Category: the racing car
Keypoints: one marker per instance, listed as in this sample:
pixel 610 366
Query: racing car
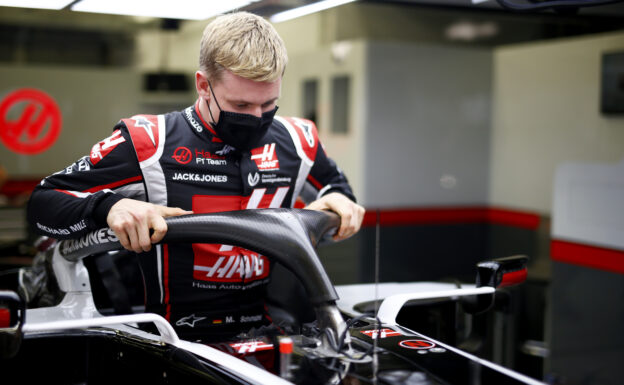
pixel 354 338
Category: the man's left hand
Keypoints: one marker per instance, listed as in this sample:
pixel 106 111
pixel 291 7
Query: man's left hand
pixel 351 214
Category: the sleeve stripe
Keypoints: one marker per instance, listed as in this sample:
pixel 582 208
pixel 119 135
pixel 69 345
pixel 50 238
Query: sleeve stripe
pixel 323 191
pixel 72 193
pixel 114 184
pixel 315 182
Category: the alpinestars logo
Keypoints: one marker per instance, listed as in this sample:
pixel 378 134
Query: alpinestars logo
pixel 265 157
pixel 189 320
pixel 141 121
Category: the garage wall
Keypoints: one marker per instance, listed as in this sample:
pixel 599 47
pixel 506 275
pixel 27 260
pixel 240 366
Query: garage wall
pixel 91 102
pixel 320 65
pixel 546 111
pixel 427 125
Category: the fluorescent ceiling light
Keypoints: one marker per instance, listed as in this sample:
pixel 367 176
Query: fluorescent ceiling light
pixel 43 4
pixel 307 9
pixel 168 9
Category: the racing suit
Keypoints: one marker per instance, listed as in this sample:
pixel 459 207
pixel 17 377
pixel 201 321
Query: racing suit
pixel 177 160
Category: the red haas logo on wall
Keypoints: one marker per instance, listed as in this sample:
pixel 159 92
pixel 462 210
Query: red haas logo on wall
pixel 265 157
pixel 30 121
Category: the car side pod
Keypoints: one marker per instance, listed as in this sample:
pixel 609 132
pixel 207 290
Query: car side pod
pixel 496 273
pixel 12 318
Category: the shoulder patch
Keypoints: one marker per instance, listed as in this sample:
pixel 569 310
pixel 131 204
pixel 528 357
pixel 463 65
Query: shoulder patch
pixel 144 132
pixel 307 134
pixel 103 148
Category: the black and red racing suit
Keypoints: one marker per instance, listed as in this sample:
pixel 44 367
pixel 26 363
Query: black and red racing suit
pixel 177 160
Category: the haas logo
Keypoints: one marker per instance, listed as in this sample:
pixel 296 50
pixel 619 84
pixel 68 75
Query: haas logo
pixel 103 148
pixel 265 157
pixel 182 155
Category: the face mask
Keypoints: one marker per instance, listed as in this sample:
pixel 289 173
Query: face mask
pixel 241 131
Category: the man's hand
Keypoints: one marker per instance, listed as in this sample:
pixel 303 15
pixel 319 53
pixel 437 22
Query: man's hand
pixel 131 220
pixel 351 214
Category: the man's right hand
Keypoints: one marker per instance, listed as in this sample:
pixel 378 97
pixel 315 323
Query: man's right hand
pixel 132 220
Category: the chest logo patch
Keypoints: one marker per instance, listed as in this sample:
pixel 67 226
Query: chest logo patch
pixel 182 155
pixel 265 157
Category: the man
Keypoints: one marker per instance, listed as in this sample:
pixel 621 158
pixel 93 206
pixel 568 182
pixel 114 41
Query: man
pixel 227 152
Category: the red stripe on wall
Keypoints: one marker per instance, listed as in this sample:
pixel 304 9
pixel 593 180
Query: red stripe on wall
pixel 452 215
pixel 14 187
pixel 114 184
pixel 589 256
pixel 514 218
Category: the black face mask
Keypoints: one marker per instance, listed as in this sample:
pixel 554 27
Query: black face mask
pixel 241 131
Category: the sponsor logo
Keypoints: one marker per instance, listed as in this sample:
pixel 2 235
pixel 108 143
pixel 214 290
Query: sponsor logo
pixel 203 285
pixel 103 148
pixel 232 268
pixel 98 237
pixel 189 320
pixel 78 226
pixel 381 333
pixel 206 157
pixel 225 150
pixel 83 164
pixel 141 121
pixel 247 286
pixel 253 179
pixel 212 286
pixel 273 178
pixel 417 344
pixel 204 178
pixel 51 230
pixel 189 116
pixel 182 155
pixel 265 157
pixel 251 346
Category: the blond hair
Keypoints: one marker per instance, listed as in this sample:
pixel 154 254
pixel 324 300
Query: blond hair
pixel 245 44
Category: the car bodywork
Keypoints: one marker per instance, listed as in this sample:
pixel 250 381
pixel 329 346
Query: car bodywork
pixel 348 343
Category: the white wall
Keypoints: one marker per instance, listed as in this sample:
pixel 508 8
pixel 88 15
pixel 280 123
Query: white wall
pixel 427 125
pixel 345 149
pixel 546 112
pixel 175 51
